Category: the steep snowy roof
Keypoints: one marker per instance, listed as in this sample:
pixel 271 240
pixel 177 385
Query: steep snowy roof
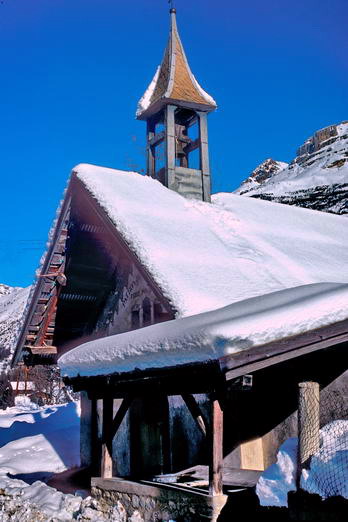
pixel 206 256
pixel 209 336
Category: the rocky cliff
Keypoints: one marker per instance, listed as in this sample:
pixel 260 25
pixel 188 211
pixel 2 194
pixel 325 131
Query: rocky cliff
pixel 317 178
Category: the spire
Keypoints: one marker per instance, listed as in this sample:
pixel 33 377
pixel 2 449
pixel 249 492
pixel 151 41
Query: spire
pixel 174 82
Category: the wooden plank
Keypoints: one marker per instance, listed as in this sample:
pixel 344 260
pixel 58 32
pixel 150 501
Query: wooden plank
pixel 329 333
pixel 106 459
pixel 216 449
pixel 156 139
pixel 42 350
pixel 270 360
pixel 121 412
pixel 195 412
pixel 192 146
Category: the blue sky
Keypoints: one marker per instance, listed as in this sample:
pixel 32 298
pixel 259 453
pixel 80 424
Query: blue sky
pixel 73 71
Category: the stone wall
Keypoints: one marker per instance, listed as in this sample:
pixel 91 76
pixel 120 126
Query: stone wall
pixel 149 502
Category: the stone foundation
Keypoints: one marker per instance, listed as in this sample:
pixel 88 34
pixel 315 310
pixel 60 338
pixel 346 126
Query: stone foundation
pixel 162 502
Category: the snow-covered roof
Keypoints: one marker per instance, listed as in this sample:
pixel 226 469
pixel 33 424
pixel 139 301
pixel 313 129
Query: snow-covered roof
pixel 211 335
pixel 205 256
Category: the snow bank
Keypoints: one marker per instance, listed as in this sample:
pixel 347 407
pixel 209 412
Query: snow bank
pixel 38 441
pixel 205 256
pixel 328 473
pixel 275 483
pixel 211 335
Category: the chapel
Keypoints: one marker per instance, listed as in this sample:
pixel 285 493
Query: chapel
pixel 185 319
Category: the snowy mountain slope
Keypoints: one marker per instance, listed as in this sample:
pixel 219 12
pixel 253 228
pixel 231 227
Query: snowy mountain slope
pixel 317 178
pixel 266 170
pixel 12 305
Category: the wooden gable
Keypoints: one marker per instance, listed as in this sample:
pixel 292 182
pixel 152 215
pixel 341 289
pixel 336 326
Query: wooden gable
pixel 91 285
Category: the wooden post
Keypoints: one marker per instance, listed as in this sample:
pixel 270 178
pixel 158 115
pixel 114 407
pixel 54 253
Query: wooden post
pixel 216 449
pixel 106 459
pixel 308 424
pixel 204 155
pixel 195 412
pixel 170 146
pixel 151 158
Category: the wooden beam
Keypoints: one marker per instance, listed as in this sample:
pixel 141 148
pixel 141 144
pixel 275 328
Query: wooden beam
pixel 195 412
pixel 42 350
pixel 270 359
pixel 192 146
pixel 106 460
pixel 156 139
pixel 121 412
pixel 216 449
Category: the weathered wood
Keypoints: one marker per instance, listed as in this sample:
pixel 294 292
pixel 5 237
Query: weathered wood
pixel 170 146
pixel 216 449
pixel 191 378
pixel 264 358
pixel 192 146
pixel 195 412
pixel 151 157
pixel 42 350
pixel 106 458
pixel 204 155
pixel 121 412
pixel 156 139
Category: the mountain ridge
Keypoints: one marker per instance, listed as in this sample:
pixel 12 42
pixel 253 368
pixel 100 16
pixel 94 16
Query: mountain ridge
pixel 317 178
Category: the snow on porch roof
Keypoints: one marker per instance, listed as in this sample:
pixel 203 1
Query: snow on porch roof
pixel 211 335
pixel 205 256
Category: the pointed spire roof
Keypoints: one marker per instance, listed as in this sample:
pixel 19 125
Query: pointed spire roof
pixel 174 81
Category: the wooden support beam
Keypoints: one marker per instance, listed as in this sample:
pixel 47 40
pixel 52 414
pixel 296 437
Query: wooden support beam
pixel 216 449
pixel 192 146
pixel 121 412
pixel 156 139
pixel 106 459
pixel 195 412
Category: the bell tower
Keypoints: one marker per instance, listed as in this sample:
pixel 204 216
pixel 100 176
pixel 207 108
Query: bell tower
pixel 175 108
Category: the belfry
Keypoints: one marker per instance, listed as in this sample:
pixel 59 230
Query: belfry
pixel 175 108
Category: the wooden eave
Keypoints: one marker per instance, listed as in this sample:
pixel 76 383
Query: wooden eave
pixel 205 377
pixel 41 282
pixel 49 352
pixel 254 359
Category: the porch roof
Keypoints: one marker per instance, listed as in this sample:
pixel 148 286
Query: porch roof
pixel 261 327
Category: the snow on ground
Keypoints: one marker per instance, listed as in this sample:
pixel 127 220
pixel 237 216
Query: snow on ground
pixel 208 336
pixel 38 441
pixel 205 256
pixel 328 473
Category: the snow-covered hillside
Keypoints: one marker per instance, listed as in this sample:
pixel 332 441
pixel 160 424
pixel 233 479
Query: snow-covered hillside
pixel 317 178
pixel 12 305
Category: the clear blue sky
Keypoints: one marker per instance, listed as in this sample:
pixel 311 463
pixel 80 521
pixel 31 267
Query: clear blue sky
pixel 72 72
